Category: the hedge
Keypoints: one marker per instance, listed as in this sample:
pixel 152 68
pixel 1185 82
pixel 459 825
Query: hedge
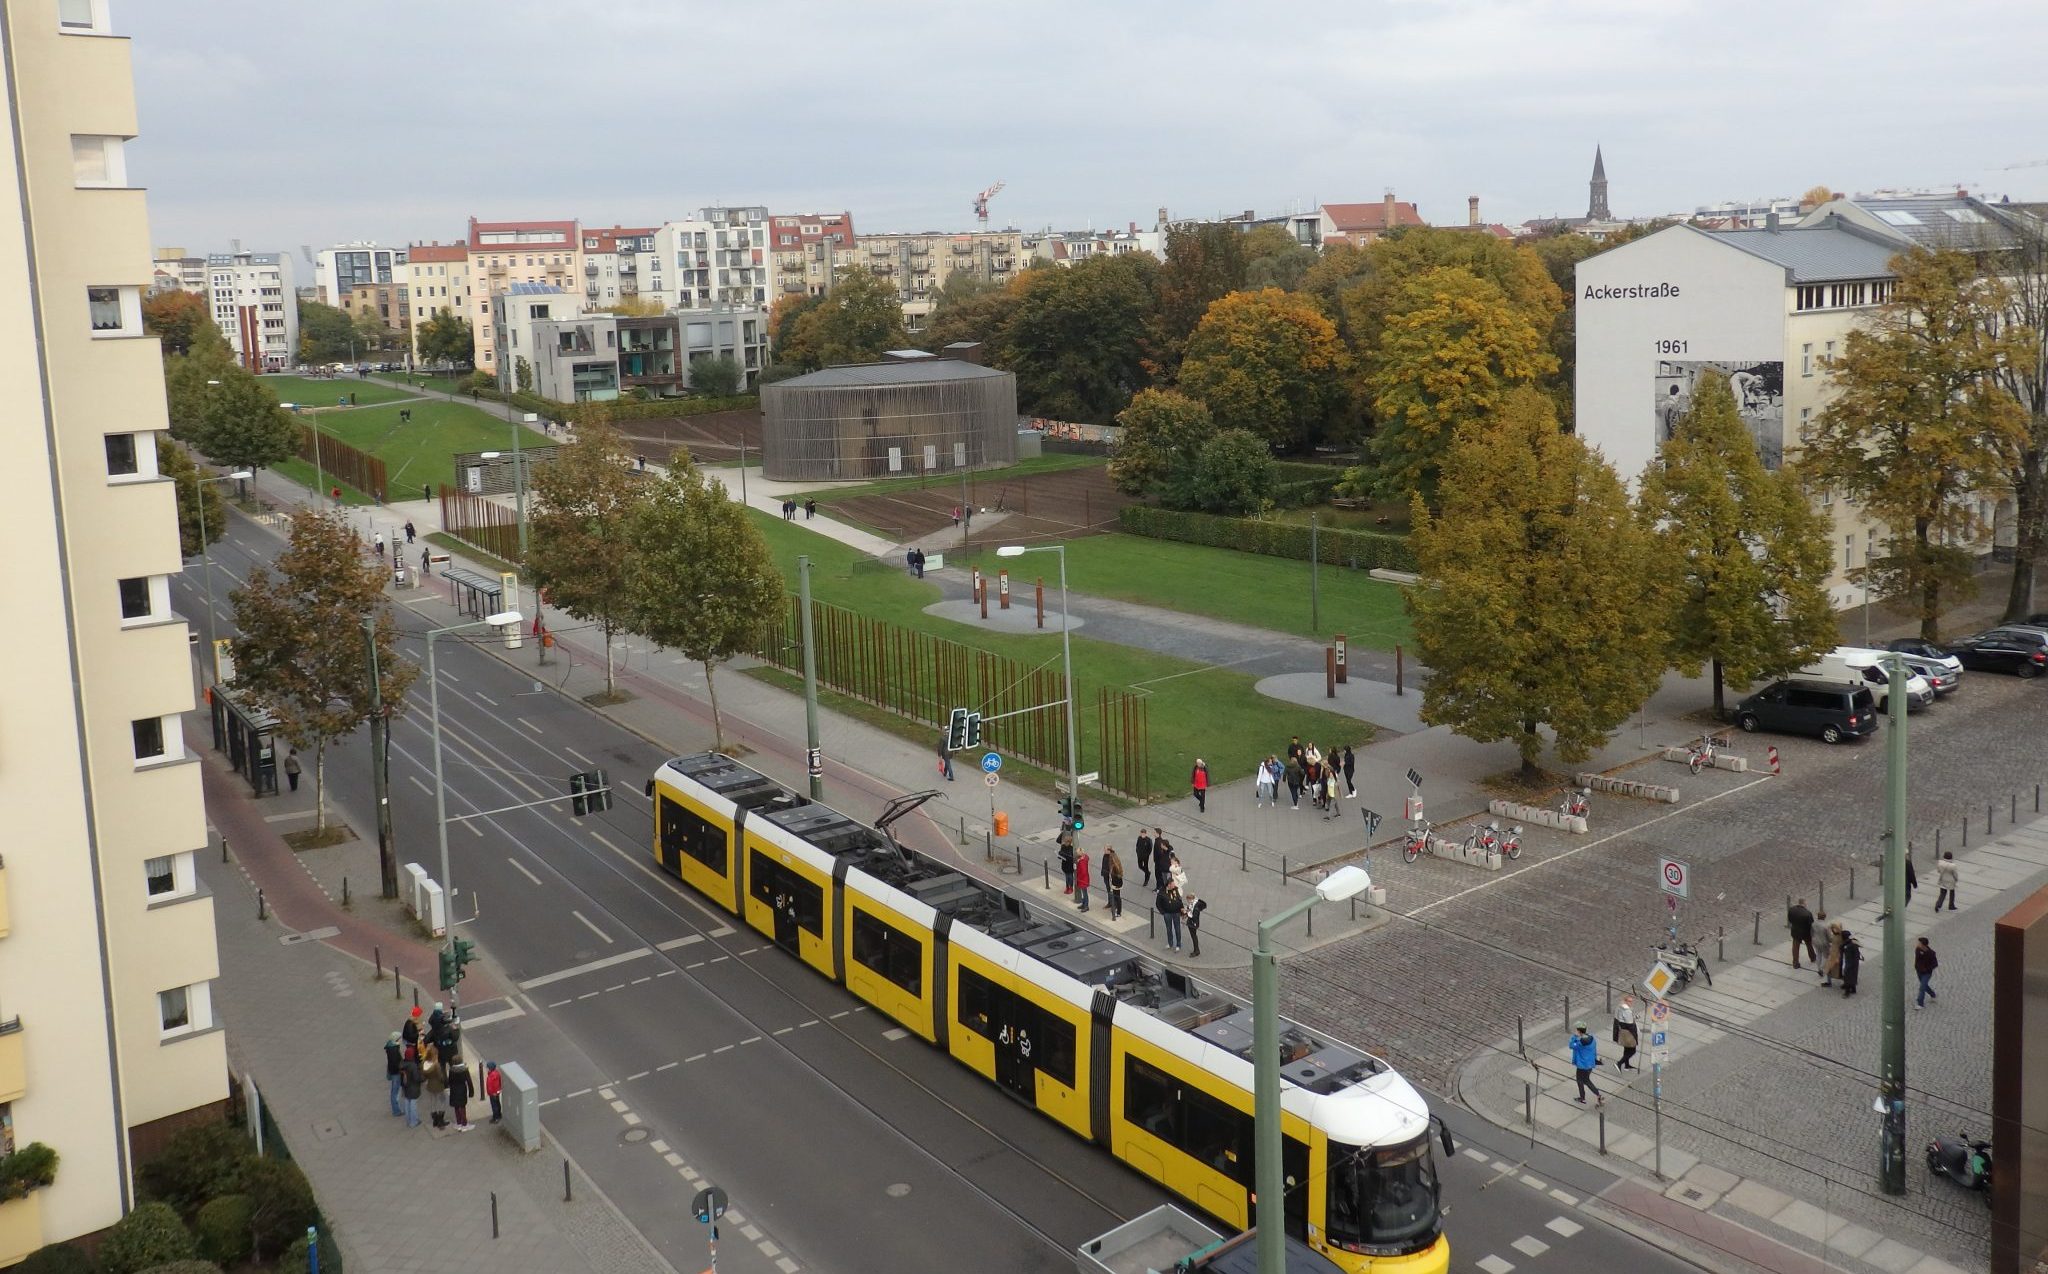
pixel 624 409
pixel 1362 550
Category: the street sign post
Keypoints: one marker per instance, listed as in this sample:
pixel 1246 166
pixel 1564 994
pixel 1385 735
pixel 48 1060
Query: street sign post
pixel 1372 823
pixel 992 779
pixel 1675 877
pixel 991 762
pixel 707 1207
pixel 1658 981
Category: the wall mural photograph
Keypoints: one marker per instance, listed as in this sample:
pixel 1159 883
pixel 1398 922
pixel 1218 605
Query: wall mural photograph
pixel 1759 390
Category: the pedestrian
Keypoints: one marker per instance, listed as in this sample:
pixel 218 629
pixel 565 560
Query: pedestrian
pixel 945 759
pixel 1194 907
pixel 956 515
pixel 427 493
pixel 1169 868
pixel 1167 904
pixel 1144 858
pixel 1625 1032
pixel 411 1078
pixel 437 1084
pixel 1295 777
pixel 1831 954
pixel 292 768
pixel 394 1068
pixel 1264 792
pixel 810 508
pixel 1080 871
pixel 1924 965
pixel 1330 791
pixel 410 1034
pixel 408 531
pixel 639 464
pixel 1852 962
pixel 1067 858
pixel 460 1088
pixel 1294 749
pixel 426 562
pixel 1113 882
pixel 1162 849
pixel 1349 764
pixel 1585 1056
pixel 1945 874
pixel 1800 922
pixel 1198 779
pixel 494 1084
pixel 1912 879
pixel 378 541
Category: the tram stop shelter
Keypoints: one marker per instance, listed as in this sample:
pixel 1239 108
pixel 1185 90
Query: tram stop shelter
pixel 245 732
pixel 475 595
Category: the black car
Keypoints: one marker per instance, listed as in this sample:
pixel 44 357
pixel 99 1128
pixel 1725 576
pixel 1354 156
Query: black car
pixel 1831 709
pixel 1917 646
pixel 2021 651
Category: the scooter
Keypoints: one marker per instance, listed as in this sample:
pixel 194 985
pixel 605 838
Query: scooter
pixel 1963 1161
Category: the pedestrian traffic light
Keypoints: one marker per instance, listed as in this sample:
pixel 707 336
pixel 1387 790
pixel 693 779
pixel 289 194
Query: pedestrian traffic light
pixel 956 730
pixel 464 952
pixel 974 729
pixel 451 973
pixel 1070 813
pixel 589 793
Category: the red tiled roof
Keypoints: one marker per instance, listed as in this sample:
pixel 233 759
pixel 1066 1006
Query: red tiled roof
pixel 565 230
pixel 1370 216
pixel 437 252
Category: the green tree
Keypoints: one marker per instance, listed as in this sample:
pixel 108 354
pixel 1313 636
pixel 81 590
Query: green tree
pixel 1536 608
pixel 982 317
pixel 856 322
pixel 1076 338
pixel 1204 263
pixel 1164 432
pixel 175 463
pixel 1232 476
pixel 1453 346
pixel 522 375
pixel 718 377
pixel 324 333
pixel 150 1235
pixel 2023 375
pixel 301 652
pixel 370 329
pixel 1267 362
pixel 1273 258
pixel 281 1204
pixel 702 581
pixel 1919 425
pixel 782 321
pixel 175 317
pixel 1338 270
pixel 1740 551
pixel 223 411
pixel 960 287
pixel 1394 263
pixel 580 532
pixel 447 338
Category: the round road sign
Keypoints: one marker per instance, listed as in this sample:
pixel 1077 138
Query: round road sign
pixel 709 1205
pixel 993 779
pixel 1674 875
pixel 991 762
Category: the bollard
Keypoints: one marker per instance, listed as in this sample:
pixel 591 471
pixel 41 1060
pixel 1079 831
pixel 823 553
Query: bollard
pixel 963 829
pixel 1243 854
pixel 1521 1045
pixel 1966 833
pixel 313 1249
pixel 1852 882
pixel 262 911
pixel 494 1214
pixel 1603 1130
pixel 1756 929
pixel 1987 818
pixel 565 1181
pixel 988 847
pixel 1311 922
pixel 1283 869
pixel 415 995
pixel 1937 842
pixel 224 840
pixel 1720 948
pixel 1152 923
pixel 377 953
pixel 397 984
pixel 2037 808
pixel 1354 906
pixel 1528 1103
pixel 1567 1012
pixel 2015 808
pixel 1823 895
pixel 344 891
pixel 1610 995
pixel 1046 869
pixel 1397 669
pixel 1020 862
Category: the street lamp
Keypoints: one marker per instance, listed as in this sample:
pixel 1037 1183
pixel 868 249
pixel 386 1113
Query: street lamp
pixel 1340 884
pixel 509 621
pixel 206 556
pixel 518 482
pixel 1066 657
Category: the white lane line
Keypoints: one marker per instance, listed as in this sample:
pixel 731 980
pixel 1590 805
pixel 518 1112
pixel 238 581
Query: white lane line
pixel 549 1101
pixel 555 1004
pixel 600 839
pixel 723 1048
pixel 592 967
pixel 673 943
pixel 476 829
pixel 581 1092
pixel 721 931
pixel 593 928
pixel 590 995
pixel 640 1075
pixel 785 1030
pixel 501 1015
pixel 451 678
pixel 521 869
pixel 1563 1227
pixel 801 1025
pixel 528 724
pixel 668 973
pixel 421 786
pixel 667 1066
pixel 579 756
pixel 638 981
pixel 696 1057
pixel 751 1039
pixel 481 697
pixel 618 986
pixel 841 1013
pixel 894 1033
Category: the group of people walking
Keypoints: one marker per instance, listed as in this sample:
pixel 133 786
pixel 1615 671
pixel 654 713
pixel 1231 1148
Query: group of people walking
pixel 424 1058
pixel 1834 951
pixel 1159 869
pixel 1307 769
pixel 789 508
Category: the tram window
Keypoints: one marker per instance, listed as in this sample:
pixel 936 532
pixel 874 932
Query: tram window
pixel 1056 1044
pixel 1149 1100
pixel 888 951
pixel 1217 1135
pixel 976 998
pixel 682 829
pixel 768 880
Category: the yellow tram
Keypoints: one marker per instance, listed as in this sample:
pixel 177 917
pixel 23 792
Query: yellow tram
pixel 1128 1053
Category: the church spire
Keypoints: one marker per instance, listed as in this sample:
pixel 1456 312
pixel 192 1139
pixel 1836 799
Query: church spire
pixel 1596 207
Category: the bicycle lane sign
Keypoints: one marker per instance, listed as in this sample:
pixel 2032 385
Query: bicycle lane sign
pixel 1674 877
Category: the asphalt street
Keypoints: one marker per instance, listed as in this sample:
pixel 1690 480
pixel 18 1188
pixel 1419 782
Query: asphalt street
pixel 672 1049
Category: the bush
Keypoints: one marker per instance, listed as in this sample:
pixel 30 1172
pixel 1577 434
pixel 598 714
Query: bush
pixel 222 1228
pixel 198 1164
pixel 281 1205
pixel 1362 549
pixel 29 1168
pixel 150 1235
pixel 294 1257
pixel 58 1258
pixel 184 1267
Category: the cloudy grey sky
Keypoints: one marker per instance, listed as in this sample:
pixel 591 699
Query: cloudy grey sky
pixel 281 122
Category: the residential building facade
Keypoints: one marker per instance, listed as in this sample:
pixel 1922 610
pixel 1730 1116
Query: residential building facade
pixel 254 300
pixel 614 262
pixel 572 354
pixel 719 258
pixel 1358 224
pixel 107 952
pixel 339 270
pixel 918 265
pixel 502 253
pixel 809 251
pixel 436 279
pixel 178 271
pixel 387 301
pixel 512 315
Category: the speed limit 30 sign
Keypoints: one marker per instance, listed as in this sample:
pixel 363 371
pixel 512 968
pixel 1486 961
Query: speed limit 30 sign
pixel 1675 877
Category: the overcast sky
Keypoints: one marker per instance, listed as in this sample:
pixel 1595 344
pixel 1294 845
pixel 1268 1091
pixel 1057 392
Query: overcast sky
pixel 292 123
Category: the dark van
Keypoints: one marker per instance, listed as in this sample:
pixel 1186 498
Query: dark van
pixel 1833 710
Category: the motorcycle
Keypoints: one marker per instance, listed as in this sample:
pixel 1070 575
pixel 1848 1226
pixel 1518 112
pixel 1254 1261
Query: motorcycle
pixel 1963 1161
pixel 1685 960
pixel 1575 804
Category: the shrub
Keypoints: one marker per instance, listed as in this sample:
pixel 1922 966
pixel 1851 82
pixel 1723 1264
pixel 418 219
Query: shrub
pixel 184 1267
pixel 1362 549
pixel 58 1258
pixel 150 1235
pixel 222 1228
pixel 294 1257
pixel 29 1168
pixel 198 1164
pixel 282 1205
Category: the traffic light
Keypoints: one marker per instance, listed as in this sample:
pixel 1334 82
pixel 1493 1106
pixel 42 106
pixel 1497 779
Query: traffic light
pixel 451 973
pixel 589 793
pixel 956 730
pixel 465 951
pixel 1070 813
pixel 973 729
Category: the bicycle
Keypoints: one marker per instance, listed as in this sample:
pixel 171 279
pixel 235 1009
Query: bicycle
pixel 1576 803
pixel 1699 756
pixel 1415 841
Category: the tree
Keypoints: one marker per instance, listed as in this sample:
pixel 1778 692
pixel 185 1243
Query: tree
pixel 2023 375
pixel 301 654
pixel 324 333
pixel 782 319
pixel 960 287
pixel 1076 338
pixel 1267 362
pixel 175 463
pixel 1336 272
pixel 522 375
pixel 702 580
pixel 1920 425
pixel 718 377
pixel 1453 346
pixel 1204 263
pixel 1164 432
pixel 175 317
pixel 446 338
pixel 1394 263
pixel 981 317
pixel 1815 196
pixel 580 542
pixel 855 322
pixel 370 329
pixel 1231 476
pixel 223 411
pixel 1742 552
pixel 1536 607
pixel 634 305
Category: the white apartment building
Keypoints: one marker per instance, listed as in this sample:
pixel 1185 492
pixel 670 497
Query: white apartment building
pixel 436 278
pixel 107 952
pixel 614 263
pixel 255 304
pixel 719 258
pixel 918 265
pixel 513 314
pixel 340 270
pixel 176 269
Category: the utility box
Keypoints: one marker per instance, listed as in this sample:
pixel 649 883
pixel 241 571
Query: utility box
pixel 415 890
pixel 521 1099
pixel 434 908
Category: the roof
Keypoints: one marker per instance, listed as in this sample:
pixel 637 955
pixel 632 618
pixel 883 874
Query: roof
pixel 1933 222
pixel 437 252
pixel 919 372
pixel 527 287
pixel 1814 254
pixel 564 230
pixel 1370 216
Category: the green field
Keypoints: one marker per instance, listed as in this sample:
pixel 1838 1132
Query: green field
pixel 949 480
pixel 1395 513
pixel 308 392
pixel 422 451
pixel 1244 588
pixel 1194 711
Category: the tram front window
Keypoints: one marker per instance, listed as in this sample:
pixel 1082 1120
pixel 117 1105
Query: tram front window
pixel 1383 1200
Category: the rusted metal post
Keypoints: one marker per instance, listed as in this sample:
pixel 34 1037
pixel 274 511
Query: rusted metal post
pixel 1397 669
pixel 1329 672
pixel 1040 587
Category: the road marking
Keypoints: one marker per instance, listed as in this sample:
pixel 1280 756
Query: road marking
pixel 579 756
pixel 1530 1246
pixel 1563 1227
pixel 672 1159
pixel 528 724
pixel 581 1092
pixel 484 698
pixel 620 1107
pixel 421 786
pixel 561 974
pixel 1493 1264
pixel 721 931
pixel 785 1030
pixel 615 987
pixel 1567 1198
pixel 801 1025
pixel 475 828
pixel 590 995
pixel 668 973
pixel 638 981
pixel 1533 1183
pixel 727 1048
pixel 673 943
pixel 841 1013
pixel 521 869
pixel 894 1033
pixel 593 928
pixel 501 1015
pixel 451 678
pixel 549 1101
pixel 751 1039
pixel 696 1057
pixel 641 1075
pixel 555 1004
pixel 667 1066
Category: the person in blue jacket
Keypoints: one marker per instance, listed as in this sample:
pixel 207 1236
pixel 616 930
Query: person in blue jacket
pixel 1585 1056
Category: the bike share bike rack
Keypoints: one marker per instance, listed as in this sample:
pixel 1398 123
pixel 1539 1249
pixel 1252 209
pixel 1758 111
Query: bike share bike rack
pixel 1723 759
pixel 1538 815
pixel 1461 852
pixel 1630 787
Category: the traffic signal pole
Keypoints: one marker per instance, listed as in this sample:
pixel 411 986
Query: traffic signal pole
pixel 1892 1003
pixel 380 767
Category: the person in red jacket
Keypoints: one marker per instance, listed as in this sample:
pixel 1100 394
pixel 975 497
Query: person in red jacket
pixel 494 1083
pixel 1081 879
pixel 1199 781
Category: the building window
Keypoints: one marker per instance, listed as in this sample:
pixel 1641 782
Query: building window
pixel 79 15
pixel 1829 358
pixel 161 875
pixel 121 458
pixel 1848 551
pixel 183 1010
pixel 1806 359
pixel 149 738
pixel 135 598
pixel 1805 424
pixel 97 161
pixel 108 307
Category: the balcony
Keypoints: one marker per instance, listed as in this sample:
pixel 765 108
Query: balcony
pixel 13 1069
pixel 628 267
pixel 590 269
pixel 21 1227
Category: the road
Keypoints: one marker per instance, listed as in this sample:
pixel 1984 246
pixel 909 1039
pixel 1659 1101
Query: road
pixel 672 1049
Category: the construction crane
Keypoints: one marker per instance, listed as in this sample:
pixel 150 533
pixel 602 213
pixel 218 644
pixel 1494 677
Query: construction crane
pixel 981 202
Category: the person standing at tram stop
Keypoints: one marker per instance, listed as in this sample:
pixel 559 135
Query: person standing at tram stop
pixel 1081 879
pixel 1113 882
pixel 1192 908
pixel 1585 1056
pixel 1067 858
pixel 1145 857
pixel 945 759
pixel 1198 780
pixel 291 768
pixel 1167 903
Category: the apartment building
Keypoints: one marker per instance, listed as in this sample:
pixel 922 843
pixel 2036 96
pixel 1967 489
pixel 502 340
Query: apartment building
pixel 1358 224
pixel 809 250
pixel 177 271
pixel 256 306
pixel 501 253
pixel 918 265
pixel 512 315
pixel 107 953
pixel 436 279
pixel 342 269
pixel 387 301
pixel 717 259
pixel 614 263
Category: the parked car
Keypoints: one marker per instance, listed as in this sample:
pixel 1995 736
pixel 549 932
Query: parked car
pixel 1872 667
pixel 1927 650
pixel 2021 651
pixel 1945 675
pixel 1833 710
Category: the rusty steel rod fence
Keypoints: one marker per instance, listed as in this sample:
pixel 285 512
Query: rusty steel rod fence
pixel 481 522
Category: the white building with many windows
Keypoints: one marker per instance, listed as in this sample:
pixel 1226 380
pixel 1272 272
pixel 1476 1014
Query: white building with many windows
pixel 340 270
pixel 720 258
pixel 255 303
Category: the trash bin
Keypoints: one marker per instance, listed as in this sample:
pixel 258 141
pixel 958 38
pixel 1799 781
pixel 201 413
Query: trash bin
pixel 1002 822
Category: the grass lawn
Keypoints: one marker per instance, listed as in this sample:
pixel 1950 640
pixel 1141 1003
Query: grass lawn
pixel 1195 711
pixel 464 549
pixel 308 392
pixel 423 451
pixel 949 480
pixel 1245 588
pixel 301 472
pixel 1395 512
pixel 446 384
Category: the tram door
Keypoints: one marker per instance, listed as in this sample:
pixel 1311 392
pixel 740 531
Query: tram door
pixel 1017 1044
pixel 1294 1168
pixel 794 903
